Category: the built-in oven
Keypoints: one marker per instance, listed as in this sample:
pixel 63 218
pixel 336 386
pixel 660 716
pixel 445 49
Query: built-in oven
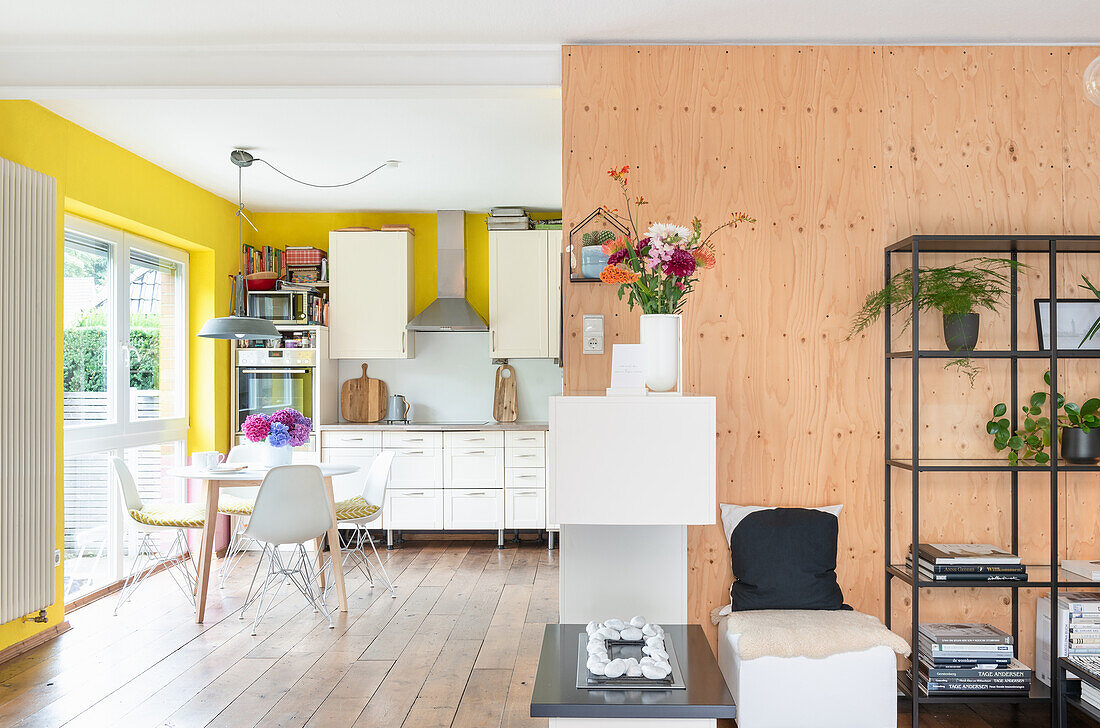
pixel 283 307
pixel 268 380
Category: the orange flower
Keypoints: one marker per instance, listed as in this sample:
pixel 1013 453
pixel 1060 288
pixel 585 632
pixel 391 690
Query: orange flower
pixel 737 217
pixel 613 245
pixel 617 276
pixel 619 175
pixel 704 256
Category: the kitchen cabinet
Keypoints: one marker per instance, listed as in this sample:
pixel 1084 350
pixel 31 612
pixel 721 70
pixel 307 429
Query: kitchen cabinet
pixel 474 508
pixel 525 508
pixel 416 468
pixel 352 484
pixel 525 294
pixel 473 467
pixel 413 508
pixel 370 294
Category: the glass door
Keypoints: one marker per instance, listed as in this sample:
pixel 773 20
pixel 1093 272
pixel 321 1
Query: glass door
pixel 125 390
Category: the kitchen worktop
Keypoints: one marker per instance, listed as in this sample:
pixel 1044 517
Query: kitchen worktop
pixel 438 426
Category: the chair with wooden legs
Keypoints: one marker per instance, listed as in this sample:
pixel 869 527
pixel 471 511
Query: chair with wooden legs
pixel 149 519
pixel 237 503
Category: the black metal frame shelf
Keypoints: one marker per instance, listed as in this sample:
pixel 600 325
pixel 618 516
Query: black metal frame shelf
pixel 1012 245
pixel 1072 695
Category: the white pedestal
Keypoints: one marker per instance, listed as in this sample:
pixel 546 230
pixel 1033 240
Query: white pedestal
pixel 633 722
pixel 620 571
pixel 628 475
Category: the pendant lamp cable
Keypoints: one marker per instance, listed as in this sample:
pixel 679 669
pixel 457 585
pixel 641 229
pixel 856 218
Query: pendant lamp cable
pixel 324 187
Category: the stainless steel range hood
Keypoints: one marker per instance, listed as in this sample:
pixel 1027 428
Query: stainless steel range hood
pixel 450 311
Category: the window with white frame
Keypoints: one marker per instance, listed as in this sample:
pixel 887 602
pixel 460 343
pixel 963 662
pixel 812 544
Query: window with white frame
pixel 125 388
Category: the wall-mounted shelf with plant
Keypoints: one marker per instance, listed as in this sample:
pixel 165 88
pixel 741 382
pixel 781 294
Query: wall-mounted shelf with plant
pixel 957 291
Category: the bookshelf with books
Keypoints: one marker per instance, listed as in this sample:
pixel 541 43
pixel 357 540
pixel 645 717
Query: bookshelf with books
pixel 1044 536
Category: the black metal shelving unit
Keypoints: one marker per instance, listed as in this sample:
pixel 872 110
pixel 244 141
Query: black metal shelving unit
pixel 1050 576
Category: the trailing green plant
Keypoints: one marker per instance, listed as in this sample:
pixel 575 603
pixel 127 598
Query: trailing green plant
pixel 1095 324
pixel 1030 441
pixel 972 284
pixel 597 237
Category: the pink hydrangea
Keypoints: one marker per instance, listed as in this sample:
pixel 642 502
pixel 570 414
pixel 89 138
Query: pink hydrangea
pixel 288 417
pixel 256 427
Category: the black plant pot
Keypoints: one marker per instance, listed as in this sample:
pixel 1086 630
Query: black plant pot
pixel 1080 447
pixel 960 331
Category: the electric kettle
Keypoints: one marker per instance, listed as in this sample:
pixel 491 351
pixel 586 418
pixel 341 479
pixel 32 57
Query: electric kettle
pixel 398 410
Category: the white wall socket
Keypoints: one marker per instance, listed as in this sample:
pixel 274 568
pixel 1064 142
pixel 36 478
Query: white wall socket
pixel 592 333
pixel 57 557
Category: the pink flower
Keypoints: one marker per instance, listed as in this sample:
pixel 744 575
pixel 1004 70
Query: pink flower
pixel 680 263
pixel 288 417
pixel 256 427
pixel 299 433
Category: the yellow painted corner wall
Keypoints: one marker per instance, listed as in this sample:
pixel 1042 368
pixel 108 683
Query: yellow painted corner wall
pixel 106 183
pixel 280 229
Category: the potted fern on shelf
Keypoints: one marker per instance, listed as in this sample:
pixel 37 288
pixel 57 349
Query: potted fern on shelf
pixel 957 291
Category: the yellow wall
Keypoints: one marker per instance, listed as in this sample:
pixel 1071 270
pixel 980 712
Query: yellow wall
pixel 104 182
pixel 311 228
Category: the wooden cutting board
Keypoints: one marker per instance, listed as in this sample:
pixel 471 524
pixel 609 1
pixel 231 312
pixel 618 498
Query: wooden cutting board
pixel 363 399
pixel 504 395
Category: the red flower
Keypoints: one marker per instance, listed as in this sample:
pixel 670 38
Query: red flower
pixel 682 263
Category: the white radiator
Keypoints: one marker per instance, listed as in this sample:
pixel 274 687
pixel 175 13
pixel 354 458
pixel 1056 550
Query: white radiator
pixel 28 326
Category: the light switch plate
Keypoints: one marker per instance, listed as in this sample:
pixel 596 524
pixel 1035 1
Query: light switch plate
pixel 592 333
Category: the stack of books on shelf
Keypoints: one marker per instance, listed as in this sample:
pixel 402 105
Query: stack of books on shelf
pixel 966 562
pixel 968 659
pixel 1091 665
pixel 1078 629
pixel 267 259
pixel 508 218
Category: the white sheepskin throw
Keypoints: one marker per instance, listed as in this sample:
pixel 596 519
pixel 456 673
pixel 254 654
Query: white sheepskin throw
pixel 808 633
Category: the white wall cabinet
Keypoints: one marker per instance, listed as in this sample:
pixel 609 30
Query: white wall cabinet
pixel 370 294
pixel 525 293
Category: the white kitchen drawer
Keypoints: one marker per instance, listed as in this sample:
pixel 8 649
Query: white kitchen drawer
pixel 351 438
pixel 403 438
pixel 525 508
pixel 473 467
pixel 417 468
pixel 352 484
pixel 525 457
pixel 473 508
pixel 473 439
pixel 524 477
pixel 520 438
pixel 413 508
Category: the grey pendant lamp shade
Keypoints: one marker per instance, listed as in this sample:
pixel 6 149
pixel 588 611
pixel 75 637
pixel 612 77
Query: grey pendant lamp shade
pixel 239 327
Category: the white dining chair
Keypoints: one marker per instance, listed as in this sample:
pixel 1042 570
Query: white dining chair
pixel 360 512
pixel 292 508
pixel 237 503
pixel 149 519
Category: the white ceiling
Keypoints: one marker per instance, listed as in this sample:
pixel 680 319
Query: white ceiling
pixel 464 93
pixel 468 151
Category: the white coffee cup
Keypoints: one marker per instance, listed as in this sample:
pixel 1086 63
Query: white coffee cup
pixel 207 460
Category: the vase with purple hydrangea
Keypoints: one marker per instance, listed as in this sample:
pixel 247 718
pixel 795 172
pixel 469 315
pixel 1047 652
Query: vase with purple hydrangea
pixel 282 431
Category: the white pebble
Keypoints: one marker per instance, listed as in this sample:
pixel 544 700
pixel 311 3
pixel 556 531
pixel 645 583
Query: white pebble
pixel 647 660
pixel 634 671
pixel 607 633
pixel 648 630
pixel 591 628
pixel 596 666
pixel 656 653
pixel 595 648
pixel 615 668
pixel 615 624
pixel 638 621
pixel 655 672
pixel 631 633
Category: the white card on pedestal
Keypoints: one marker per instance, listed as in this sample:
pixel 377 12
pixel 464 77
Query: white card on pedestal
pixel 627 370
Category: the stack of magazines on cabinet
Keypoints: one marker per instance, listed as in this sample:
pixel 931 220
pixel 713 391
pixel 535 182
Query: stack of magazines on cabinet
pixel 966 562
pixel 968 659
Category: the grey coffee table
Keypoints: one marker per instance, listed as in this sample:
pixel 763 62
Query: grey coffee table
pixel 557 697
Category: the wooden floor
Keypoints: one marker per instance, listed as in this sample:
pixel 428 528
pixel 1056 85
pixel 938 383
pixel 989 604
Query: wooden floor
pixel 458 647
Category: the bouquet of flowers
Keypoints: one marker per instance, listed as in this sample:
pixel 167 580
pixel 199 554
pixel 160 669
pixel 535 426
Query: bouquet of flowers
pixel 286 428
pixel 661 268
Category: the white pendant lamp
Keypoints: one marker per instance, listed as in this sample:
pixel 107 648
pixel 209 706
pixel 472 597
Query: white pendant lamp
pixel 239 328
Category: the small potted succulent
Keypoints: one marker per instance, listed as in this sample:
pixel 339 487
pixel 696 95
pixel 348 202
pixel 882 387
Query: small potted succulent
pixel 1079 429
pixel 593 259
pixel 286 429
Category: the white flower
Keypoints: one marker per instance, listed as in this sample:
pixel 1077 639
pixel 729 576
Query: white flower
pixel 666 231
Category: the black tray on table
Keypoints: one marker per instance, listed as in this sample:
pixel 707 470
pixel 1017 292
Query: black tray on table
pixel 624 649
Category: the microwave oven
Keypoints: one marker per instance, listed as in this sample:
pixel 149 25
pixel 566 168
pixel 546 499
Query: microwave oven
pixel 284 307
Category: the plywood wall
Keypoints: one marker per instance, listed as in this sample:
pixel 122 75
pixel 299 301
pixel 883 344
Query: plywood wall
pixel 837 151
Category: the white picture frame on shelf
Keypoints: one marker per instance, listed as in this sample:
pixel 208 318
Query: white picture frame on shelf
pixel 1075 318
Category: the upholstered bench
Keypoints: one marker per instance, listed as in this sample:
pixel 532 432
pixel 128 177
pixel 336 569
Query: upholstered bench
pixel 799 668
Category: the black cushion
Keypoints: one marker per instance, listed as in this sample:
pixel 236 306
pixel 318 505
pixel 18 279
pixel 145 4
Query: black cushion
pixel 785 558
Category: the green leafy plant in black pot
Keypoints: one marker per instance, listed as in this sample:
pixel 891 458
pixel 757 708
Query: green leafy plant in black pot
pixel 1078 427
pixel 956 291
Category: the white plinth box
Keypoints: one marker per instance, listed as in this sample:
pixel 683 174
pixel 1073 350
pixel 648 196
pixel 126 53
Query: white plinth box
pixel 629 474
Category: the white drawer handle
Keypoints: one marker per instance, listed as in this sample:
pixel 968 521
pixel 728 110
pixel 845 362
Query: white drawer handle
pixel 480 492
pixel 413 452
pixel 529 475
pixel 353 439
pixel 415 439
pixel 527 492
pixel 525 456
pixel 420 493
pixel 475 439
pixel 525 439
pixel 476 452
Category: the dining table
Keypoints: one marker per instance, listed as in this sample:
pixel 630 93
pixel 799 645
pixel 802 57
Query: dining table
pixel 252 475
